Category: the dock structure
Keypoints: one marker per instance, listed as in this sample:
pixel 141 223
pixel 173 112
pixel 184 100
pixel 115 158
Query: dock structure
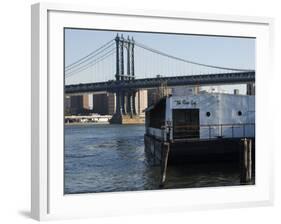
pixel 246 159
pixel 178 132
pixel 240 150
pixel 164 161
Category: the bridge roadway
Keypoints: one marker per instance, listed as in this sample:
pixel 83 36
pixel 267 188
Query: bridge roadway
pixel 210 79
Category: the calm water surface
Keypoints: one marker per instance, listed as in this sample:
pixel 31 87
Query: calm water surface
pixel 107 158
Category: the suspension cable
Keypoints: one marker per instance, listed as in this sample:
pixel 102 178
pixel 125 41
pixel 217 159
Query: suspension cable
pixel 85 58
pixel 91 63
pixel 187 61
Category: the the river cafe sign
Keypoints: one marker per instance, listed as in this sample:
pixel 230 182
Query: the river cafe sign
pixel 183 103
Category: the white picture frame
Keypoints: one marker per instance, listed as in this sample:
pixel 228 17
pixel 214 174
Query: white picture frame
pixel 47 198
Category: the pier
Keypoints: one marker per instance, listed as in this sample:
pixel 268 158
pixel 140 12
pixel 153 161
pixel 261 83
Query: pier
pixel 183 151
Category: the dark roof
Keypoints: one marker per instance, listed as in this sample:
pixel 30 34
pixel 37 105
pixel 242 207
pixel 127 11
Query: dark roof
pixel 159 102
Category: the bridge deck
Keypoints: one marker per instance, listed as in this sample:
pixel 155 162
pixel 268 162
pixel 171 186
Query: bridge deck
pixel 210 79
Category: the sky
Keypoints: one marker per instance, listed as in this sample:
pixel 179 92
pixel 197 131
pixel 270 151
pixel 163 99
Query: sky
pixel 231 52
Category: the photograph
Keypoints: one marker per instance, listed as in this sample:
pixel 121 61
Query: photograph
pixel 157 111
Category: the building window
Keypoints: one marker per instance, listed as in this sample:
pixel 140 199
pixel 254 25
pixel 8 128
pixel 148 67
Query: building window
pixel 208 114
pixel 239 113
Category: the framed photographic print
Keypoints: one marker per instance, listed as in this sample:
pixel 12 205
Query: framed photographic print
pixel 148 111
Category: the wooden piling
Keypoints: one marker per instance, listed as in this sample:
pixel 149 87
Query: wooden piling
pixel 250 161
pixel 164 162
pixel 246 161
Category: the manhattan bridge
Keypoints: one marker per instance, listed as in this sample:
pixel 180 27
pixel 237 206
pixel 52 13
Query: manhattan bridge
pixel 123 66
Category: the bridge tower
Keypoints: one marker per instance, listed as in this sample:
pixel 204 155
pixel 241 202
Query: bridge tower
pixel 125 112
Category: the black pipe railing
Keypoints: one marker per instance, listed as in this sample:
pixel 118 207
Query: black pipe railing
pixel 212 131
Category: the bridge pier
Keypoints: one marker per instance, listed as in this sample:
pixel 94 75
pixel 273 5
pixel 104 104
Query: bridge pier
pixel 125 112
pixel 128 103
pixel 125 99
pixel 126 119
pixel 118 102
pixel 134 103
pixel 123 103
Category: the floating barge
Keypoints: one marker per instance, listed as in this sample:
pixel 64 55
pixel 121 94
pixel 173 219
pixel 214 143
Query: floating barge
pixel 201 128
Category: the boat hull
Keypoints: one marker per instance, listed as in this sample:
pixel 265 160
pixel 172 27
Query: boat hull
pixel 196 150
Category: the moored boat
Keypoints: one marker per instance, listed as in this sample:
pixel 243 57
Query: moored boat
pixel 205 126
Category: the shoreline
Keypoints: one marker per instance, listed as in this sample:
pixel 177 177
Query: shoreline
pixel 85 123
pixel 93 123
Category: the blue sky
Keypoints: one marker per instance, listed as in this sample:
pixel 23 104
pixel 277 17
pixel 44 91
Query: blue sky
pixel 221 51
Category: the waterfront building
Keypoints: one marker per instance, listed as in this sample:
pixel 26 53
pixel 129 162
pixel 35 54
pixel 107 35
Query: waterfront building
pixel 251 89
pixel 104 103
pixel 88 102
pixel 141 101
pixel 67 104
pixel 78 104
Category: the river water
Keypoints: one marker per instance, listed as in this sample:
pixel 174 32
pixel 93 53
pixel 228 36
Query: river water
pixel 108 158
